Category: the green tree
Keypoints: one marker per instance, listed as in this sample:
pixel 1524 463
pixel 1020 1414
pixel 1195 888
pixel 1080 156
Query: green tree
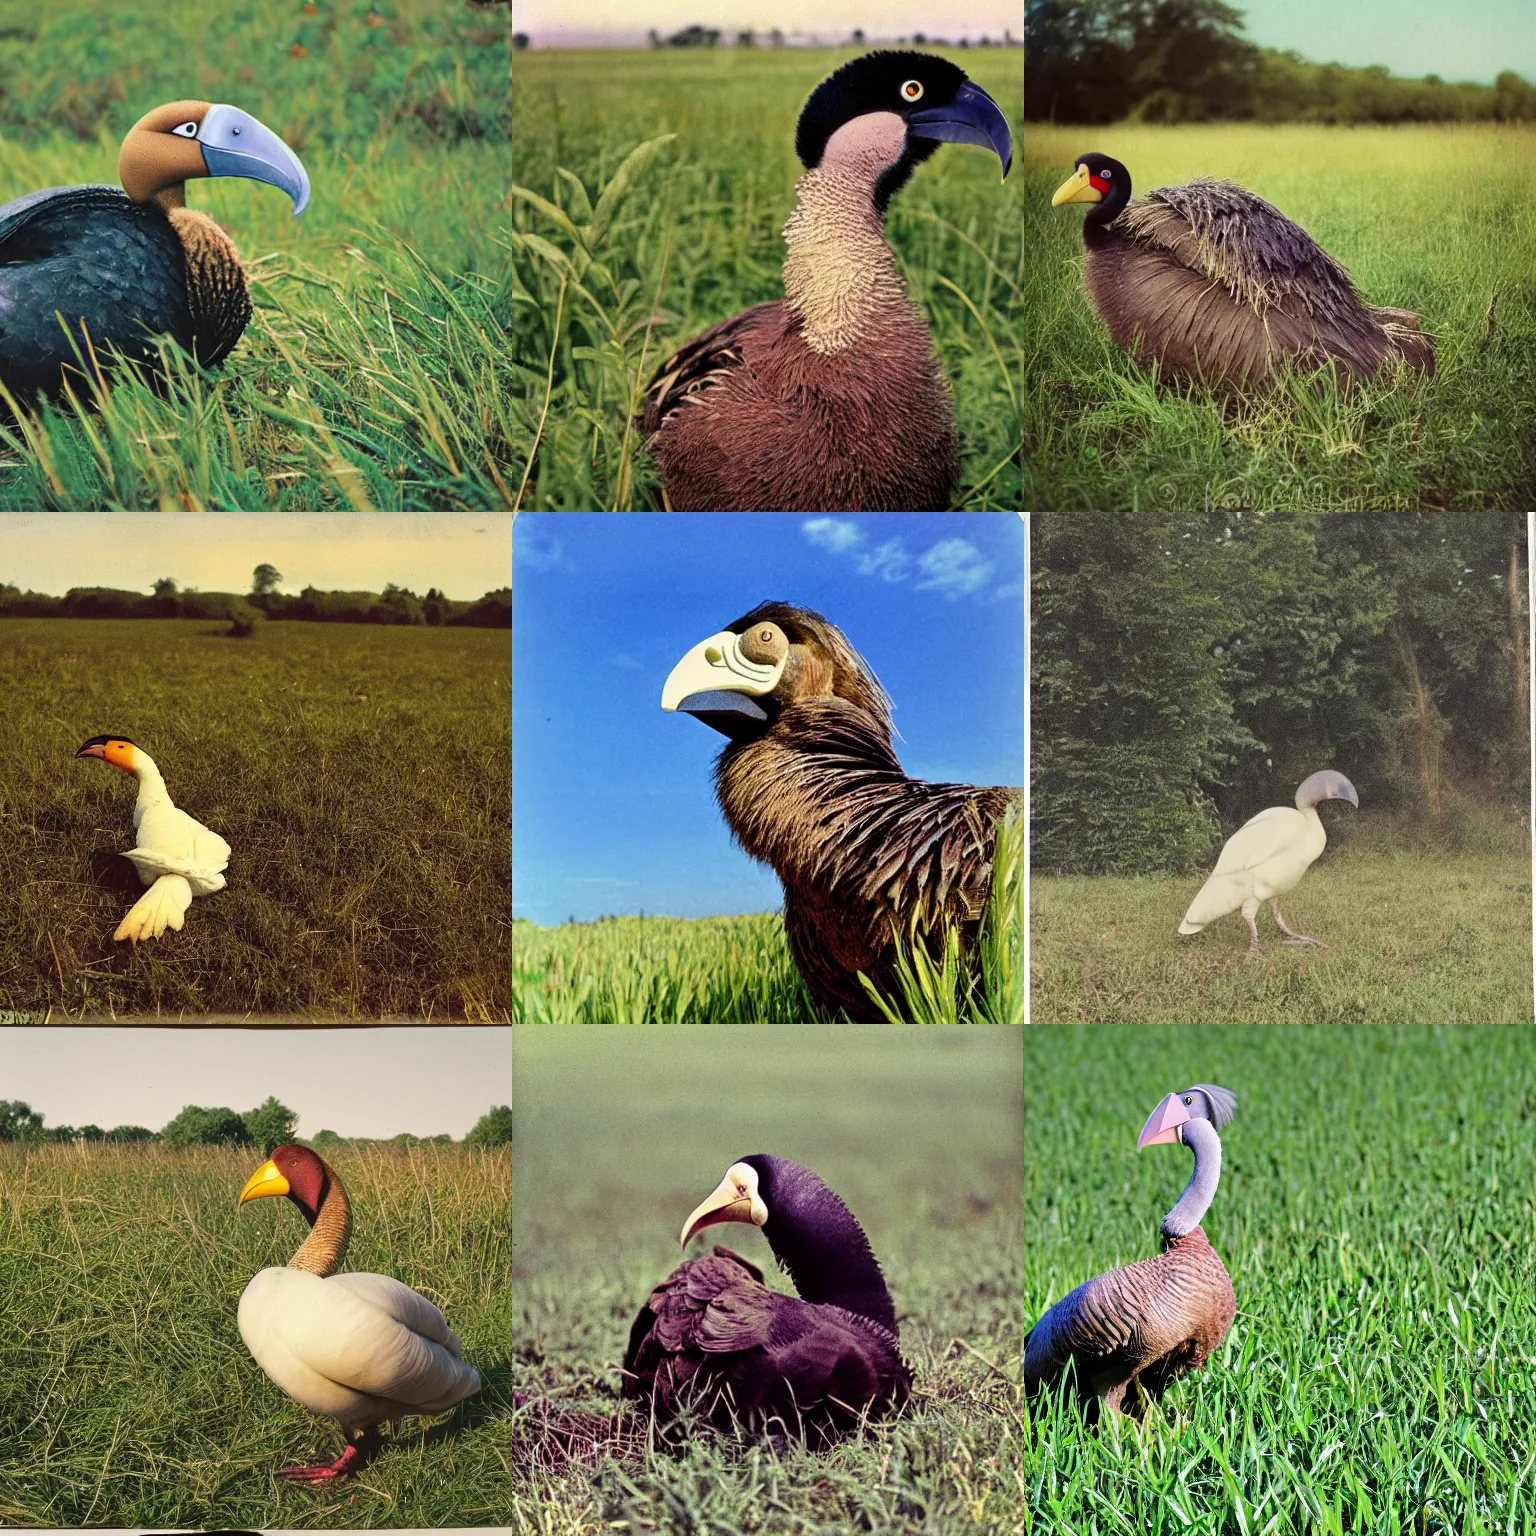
pixel 492 1129
pixel 264 579
pixel 19 1121
pixel 270 1125
pixel 324 1139
pixel 128 1133
pixel 198 1127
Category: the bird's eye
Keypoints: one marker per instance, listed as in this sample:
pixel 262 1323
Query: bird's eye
pixel 766 634
pixel 912 90
pixel 1189 1098
pixel 185 130
pixel 1108 175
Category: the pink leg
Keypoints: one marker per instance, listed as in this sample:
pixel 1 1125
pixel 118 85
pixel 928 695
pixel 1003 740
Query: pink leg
pixel 356 1455
pixel 1250 913
pixel 1291 936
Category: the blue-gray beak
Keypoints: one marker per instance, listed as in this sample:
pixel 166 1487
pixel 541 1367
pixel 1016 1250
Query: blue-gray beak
pixel 235 144
pixel 971 118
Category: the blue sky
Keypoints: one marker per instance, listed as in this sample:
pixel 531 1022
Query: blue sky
pixel 613 807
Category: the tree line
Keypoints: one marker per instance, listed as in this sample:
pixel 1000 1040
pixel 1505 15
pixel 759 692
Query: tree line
pixel 267 1126
pixel 1179 61
pixel 1188 671
pixel 167 600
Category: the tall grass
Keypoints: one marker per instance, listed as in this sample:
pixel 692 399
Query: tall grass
pixel 650 190
pixel 1415 230
pixel 127 1397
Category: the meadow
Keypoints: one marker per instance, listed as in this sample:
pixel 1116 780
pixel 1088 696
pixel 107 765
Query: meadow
pixel 619 1134
pixel 1397 208
pixel 358 772
pixel 375 371
pixel 650 191
pixel 1413 938
pixel 1374 1214
pixel 127 1397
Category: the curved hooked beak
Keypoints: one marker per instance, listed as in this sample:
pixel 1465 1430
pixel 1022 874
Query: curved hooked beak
pixel 265 1181
pixel 720 686
pixel 735 1199
pixel 1077 188
pixel 971 118
pixel 235 144
pixel 93 749
pixel 1163 1123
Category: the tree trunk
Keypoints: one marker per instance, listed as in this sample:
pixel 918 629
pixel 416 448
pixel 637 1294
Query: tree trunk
pixel 1425 728
pixel 1519 681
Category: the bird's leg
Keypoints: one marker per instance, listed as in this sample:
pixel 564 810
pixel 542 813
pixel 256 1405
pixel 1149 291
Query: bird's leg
pixel 1250 916
pixel 1291 936
pixel 357 1453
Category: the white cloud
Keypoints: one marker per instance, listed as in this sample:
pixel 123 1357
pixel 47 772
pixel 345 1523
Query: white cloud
pixel 891 562
pixel 539 551
pixel 832 533
pixel 954 567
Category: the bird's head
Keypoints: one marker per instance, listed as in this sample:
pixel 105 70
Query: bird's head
pixel 1100 180
pixel 1325 784
pixel 117 750
pixel 739 1196
pixel 185 139
pixel 741 679
pixel 297 1172
pixel 1202 1102
pixel 885 112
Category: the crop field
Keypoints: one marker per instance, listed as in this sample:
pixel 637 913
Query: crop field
pixel 358 772
pixel 1374 1214
pixel 620 1133
pixel 1397 208
pixel 127 1397
pixel 1414 938
pixel 618 261
pixel 374 373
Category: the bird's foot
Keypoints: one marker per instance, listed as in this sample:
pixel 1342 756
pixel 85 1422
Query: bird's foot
pixel 1301 938
pixel 344 1466
pixel 1254 953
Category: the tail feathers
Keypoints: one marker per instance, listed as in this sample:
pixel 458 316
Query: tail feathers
pixel 162 906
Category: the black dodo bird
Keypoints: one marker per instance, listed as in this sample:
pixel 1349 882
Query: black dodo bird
pixel 810 785
pixel 83 269
pixel 1211 283
pixel 830 399
pixel 713 1339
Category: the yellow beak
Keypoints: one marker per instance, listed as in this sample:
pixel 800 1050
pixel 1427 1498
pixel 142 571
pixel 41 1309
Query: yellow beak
pixel 265 1181
pixel 1077 189
pixel 735 1199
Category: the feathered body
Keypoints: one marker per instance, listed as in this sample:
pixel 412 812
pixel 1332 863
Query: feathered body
pixel 1210 282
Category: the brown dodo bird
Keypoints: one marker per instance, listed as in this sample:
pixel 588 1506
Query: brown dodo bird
pixel 830 399
pixel 715 1342
pixel 1146 1324
pixel 810 785
pixel 1211 283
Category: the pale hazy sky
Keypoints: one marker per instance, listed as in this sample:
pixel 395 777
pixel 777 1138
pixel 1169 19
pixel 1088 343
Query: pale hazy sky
pixel 356 1082
pixel 937 18
pixel 464 554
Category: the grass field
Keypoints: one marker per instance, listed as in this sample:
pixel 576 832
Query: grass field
pixel 1375 1216
pixel 620 1133
pixel 691 232
pixel 127 1397
pixel 1415 938
pixel 359 773
pixel 375 370
pixel 1398 208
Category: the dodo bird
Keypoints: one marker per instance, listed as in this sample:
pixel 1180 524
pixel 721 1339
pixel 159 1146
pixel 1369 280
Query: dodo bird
pixel 362 1349
pixel 176 857
pixel 808 783
pixel 714 1340
pixel 830 399
pixel 1148 1323
pixel 1266 857
pixel 1210 282
pixel 93 267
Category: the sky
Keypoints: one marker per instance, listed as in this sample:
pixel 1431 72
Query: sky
pixel 357 1082
pixel 1467 40
pixel 613 806
pixel 462 554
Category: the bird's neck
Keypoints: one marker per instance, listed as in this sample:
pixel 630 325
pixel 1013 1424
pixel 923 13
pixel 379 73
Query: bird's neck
pixel 152 788
pixel 1201 1138
pixel 217 296
pixel 840 273
pixel 825 1252
pixel 323 1250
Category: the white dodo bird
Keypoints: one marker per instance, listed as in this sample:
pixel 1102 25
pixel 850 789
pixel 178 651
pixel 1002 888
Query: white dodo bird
pixel 176 857
pixel 1266 857
pixel 361 1349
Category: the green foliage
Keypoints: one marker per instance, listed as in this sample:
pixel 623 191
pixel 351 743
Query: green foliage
pixel 1374 1214
pixel 132 1133
pixel 198 1127
pixel 358 772
pixel 620 1133
pixel 492 1129
pixel 128 1356
pixel 1394 206
pixel 19 1121
pixel 1413 936
pixel 627 242
pixel 270 1125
